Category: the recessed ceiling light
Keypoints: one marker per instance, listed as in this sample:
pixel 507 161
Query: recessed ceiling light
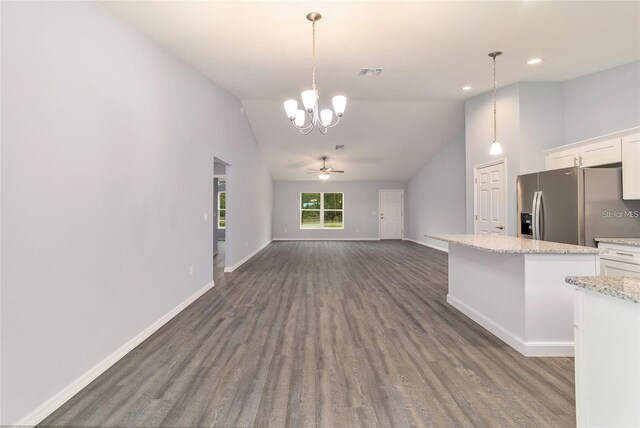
pixel 466 88
pixel 533 61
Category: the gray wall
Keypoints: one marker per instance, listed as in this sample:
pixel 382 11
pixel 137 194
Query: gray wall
pixel 107 154
pixel 602 103
pixel 436 195
pixel 541 122
pixel 360 208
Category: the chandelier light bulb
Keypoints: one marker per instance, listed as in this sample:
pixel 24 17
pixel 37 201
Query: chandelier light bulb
pixel 309 98
pixel 339 104
pixel 291 107
pixel 299 118
pixel 325 117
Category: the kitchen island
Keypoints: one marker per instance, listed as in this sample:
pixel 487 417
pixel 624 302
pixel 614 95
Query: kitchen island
pixel 515 288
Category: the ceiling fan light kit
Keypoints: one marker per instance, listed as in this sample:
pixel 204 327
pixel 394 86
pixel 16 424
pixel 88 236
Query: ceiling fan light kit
pixel 324 172
pixel 321 119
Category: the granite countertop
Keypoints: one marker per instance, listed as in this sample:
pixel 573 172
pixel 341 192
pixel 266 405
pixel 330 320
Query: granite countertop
pixel 622 241
pixel 626 288
pixel 511 244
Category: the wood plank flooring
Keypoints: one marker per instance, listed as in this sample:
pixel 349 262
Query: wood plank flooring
pixel 327 334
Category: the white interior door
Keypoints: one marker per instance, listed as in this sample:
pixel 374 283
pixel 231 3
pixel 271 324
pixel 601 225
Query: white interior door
pixel 490 200
pixel 391 214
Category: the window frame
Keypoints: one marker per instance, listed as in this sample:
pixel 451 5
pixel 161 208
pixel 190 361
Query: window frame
pixel 321 211
pixel 220 192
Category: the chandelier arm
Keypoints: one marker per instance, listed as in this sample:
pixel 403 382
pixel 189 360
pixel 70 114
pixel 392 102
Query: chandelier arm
pixel 337 121
pixel 312 115
pixel 321 131
pixel 302 131
pixel 304 128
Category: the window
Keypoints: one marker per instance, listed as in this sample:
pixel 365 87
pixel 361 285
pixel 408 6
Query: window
pixel 222 210
pixel 321 211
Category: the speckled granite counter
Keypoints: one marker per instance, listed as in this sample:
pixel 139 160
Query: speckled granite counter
pixel 513 245
pixel 626 288
pixel 621 241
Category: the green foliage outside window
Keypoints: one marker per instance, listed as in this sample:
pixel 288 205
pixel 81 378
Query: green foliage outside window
pixel 321 211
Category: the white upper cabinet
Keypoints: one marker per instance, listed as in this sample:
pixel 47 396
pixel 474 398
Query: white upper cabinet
pixel 603 152
pixel 631 166
pixel 562 158
pixel 600 153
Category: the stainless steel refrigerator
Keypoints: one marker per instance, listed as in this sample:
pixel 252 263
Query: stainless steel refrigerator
pixel 575 205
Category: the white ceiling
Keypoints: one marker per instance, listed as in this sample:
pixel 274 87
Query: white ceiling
pixel 260 51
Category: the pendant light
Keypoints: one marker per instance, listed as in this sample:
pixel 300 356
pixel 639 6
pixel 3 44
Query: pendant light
pixel 496 147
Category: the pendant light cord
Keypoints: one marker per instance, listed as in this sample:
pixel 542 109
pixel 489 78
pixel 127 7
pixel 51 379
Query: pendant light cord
pixel 313 86
pixel 495 85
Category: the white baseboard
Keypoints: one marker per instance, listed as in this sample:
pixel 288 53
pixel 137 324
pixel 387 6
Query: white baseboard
pixel 53 403
pixel 528 349
pixel 228 269
pixel 434 246
pixel 326 239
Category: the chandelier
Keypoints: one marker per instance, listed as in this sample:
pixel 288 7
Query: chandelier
pixel 321 119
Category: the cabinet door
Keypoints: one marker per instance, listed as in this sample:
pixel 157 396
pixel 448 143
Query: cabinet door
pixel 614 268
pixel 562 159
pixel 631 167
pixel 601 153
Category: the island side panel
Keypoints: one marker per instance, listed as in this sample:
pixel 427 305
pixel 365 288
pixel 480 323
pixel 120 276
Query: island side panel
pixel 607 360
pixel 488 287
pixel 550 302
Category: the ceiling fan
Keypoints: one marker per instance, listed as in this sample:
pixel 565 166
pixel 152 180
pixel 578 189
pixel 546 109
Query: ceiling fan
pixel 324 171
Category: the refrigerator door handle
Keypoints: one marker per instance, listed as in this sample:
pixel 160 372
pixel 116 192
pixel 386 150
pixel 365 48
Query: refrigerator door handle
pixel 534 217
pixel 540 217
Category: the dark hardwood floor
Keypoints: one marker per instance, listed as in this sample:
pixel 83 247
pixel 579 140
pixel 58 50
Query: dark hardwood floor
pixel 330 334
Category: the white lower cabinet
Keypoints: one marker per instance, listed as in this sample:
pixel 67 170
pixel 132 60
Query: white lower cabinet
pixel 619 260
pixel 607 360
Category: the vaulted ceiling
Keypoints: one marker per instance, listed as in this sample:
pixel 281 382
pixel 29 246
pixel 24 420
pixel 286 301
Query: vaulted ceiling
pixel 261 52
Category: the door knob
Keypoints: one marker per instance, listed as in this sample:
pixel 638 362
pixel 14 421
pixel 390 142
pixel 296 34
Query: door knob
pixel 500 227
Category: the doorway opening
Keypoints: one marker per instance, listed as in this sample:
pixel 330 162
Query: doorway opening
pixel 391 210
pixel 489 198
pixel 220 218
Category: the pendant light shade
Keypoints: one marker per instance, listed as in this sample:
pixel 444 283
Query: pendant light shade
pixel 496 147
pixel 339 104
pixel 309 98
pixel 290 108
pixel 299 118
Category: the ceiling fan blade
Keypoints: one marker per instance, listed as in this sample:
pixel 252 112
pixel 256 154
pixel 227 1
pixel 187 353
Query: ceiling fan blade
pixel 314 170
pixel 335 170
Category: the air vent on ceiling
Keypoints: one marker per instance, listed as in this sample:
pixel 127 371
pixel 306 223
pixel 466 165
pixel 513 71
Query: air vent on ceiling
pixel 370 72
pixel 339 146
